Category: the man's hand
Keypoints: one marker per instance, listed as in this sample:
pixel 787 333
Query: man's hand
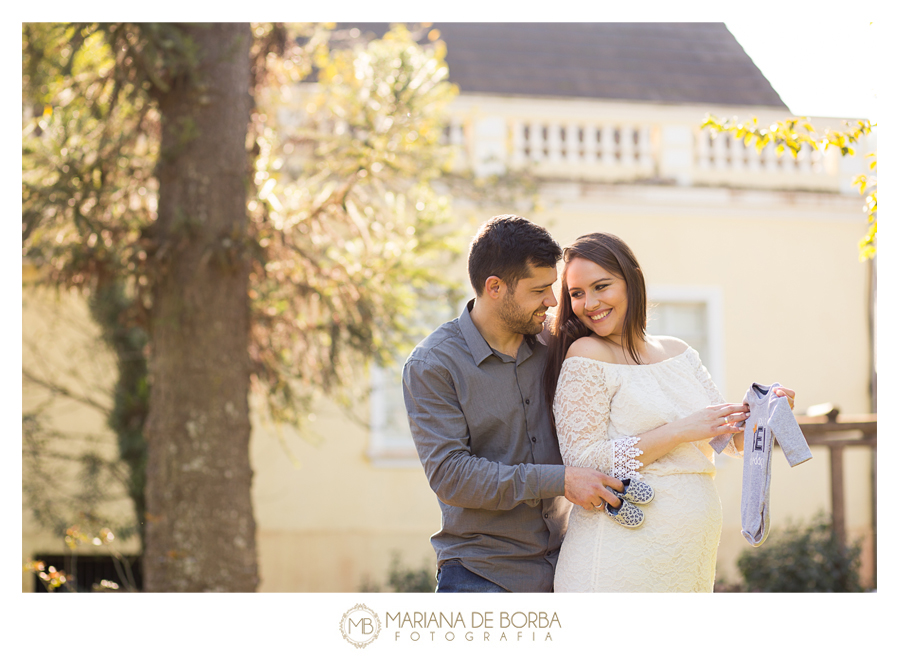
pixel 587 487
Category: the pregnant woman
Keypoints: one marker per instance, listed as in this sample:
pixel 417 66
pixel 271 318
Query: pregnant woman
pixel 640 408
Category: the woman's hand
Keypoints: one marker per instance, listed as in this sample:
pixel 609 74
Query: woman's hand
pixel 700 425
pixel 712 421
pixel 782 392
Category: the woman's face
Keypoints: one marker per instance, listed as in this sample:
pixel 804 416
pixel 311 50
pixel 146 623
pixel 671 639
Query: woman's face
pixel 599 298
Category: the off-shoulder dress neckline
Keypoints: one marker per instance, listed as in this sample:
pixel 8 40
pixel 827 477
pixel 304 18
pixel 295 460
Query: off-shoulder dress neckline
pixel 631 365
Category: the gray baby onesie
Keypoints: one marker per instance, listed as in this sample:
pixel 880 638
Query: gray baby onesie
pixel 770 417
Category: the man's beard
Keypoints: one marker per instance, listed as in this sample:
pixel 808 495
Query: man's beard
pixel 518 320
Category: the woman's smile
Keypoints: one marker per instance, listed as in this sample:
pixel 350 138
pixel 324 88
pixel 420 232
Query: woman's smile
pixel 597 316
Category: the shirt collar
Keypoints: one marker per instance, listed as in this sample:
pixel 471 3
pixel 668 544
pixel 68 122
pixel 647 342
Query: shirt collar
pixel 478 346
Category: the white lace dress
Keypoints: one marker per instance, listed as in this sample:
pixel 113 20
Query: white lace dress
pixel 599 409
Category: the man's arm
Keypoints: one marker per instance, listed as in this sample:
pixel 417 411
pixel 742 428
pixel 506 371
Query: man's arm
pixel 459 478
pixel 441 435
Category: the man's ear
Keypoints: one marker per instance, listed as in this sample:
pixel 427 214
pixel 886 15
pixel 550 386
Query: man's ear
pixel 494 287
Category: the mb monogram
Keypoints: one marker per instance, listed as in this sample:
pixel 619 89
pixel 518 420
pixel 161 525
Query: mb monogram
pixel 360 626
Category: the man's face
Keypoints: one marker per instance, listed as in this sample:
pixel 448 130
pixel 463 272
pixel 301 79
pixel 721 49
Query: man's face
pixel 524 309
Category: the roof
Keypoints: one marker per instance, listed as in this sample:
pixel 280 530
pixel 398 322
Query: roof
pixel 653 62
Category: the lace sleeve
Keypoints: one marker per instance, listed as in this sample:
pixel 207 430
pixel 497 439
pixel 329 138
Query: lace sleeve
pixel 581 408
pixel 703 376
pixel 715 397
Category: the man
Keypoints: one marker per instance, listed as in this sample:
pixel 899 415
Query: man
pixel 473 395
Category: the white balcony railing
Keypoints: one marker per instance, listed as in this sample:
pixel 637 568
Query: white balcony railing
pixel 662 150
pixel 579 143
pixel 625 142
pixel 724 153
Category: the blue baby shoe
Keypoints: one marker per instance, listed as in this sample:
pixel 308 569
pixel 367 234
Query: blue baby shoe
pixel 637 492
pixel 627 515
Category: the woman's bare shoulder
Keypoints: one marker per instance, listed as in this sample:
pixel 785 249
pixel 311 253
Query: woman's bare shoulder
pixel 590 347
pixel 671 346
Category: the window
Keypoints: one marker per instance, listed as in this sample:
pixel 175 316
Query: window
pixel 693 314
pixel 390 442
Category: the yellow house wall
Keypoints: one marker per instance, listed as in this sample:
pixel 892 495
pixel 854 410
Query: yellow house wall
pixel 330 521
pixel 61 344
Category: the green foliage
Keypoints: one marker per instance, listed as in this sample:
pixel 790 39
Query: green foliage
pixel 353 236
pixel 411 580
pixel 405 579
pixel 802 559
pixel 88 151
pixel 791 135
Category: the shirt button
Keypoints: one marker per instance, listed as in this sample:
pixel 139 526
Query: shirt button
pixel 533 440
pixel 527 401
pixel 546 516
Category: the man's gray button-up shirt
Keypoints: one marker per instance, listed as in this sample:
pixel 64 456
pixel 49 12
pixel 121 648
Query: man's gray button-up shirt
pixel 484 437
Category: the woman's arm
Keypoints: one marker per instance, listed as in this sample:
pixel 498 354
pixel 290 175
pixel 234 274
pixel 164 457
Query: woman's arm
pixel 715 420
pixel 581 411
pixel 706 423
pixel 719 418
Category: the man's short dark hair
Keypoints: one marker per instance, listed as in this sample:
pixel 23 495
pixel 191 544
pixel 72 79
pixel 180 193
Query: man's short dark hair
pixel 508 246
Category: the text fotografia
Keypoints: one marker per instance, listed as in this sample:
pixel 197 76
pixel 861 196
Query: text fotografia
pixel 478 626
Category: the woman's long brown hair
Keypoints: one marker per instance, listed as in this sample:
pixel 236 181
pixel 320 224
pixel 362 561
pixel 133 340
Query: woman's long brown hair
pixel 614 256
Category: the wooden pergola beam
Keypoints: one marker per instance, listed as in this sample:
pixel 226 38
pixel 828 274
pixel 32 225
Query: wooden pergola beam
pixel 817 430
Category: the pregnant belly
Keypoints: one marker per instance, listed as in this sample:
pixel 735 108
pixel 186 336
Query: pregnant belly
pixel 673 550
pixel 684 501
pixel 684 504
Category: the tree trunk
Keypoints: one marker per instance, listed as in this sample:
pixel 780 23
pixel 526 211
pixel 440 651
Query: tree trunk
pixel 200 530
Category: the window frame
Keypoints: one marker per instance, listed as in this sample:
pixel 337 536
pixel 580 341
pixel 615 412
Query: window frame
pixel 711 296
